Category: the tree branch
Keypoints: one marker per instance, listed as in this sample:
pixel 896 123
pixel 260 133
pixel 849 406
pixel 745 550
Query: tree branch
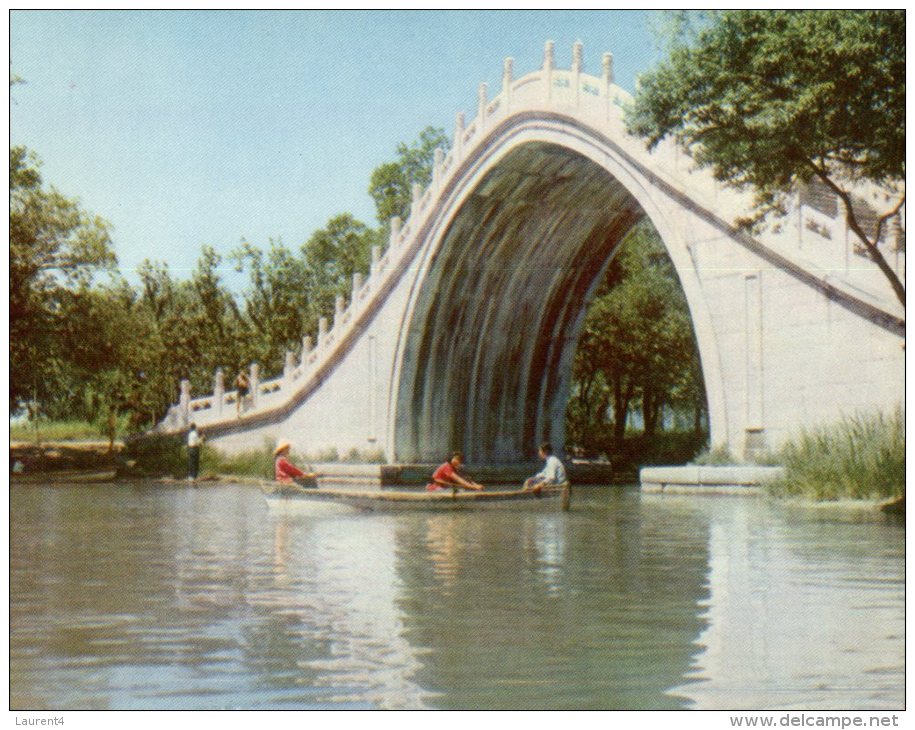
pixel 854 225
pixel 886 216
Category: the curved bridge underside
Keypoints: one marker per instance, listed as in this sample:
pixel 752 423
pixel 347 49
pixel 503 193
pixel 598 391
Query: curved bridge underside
pixel 488 356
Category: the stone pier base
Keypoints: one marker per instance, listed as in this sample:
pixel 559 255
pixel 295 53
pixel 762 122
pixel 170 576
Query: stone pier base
pixel 707 479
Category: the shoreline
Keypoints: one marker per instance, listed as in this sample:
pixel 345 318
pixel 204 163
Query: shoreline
pixel 91 461
pixel 111 476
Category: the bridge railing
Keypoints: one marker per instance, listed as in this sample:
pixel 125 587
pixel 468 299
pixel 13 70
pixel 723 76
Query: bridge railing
pixel 597 100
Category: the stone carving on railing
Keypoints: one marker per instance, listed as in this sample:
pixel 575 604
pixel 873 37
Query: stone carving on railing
pixel 599 100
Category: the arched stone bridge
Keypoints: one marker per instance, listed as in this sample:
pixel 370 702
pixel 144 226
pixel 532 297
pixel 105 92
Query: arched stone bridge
pixel 463 333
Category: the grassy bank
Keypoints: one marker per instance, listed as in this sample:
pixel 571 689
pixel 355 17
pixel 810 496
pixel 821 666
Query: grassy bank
pixel 42 431
pixel 167 455
pixel 862 457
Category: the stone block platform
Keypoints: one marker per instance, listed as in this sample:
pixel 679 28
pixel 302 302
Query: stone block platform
pixel 707 479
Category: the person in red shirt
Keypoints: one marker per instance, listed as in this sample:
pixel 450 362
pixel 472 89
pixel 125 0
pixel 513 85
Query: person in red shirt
pixel 283 469
pixel 446 476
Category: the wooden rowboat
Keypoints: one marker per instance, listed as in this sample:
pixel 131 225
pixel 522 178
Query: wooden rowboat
pixel 322 499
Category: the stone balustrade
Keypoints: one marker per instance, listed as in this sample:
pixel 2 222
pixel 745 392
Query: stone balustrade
pixel 596 101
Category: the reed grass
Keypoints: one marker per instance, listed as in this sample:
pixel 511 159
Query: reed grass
pixel 259 462
pixel 861 457
pixel 718 456
pixel 252 462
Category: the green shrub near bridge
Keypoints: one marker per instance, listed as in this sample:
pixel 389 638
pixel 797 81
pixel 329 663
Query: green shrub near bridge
pixel 861 457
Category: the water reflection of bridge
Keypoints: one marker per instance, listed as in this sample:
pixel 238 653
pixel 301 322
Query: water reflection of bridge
pixel 563 611
pixel 632 603
pixel 151 597
pixel 495 610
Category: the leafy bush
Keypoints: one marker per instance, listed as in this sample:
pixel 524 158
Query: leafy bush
pixel 157 454
pixel 661 448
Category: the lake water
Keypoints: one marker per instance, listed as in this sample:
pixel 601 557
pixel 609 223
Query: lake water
pixel 144 596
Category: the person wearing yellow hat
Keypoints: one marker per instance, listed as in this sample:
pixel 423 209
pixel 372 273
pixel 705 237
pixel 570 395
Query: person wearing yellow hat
pixel 283 469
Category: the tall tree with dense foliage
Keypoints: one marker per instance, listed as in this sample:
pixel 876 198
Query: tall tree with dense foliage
pixel 774 98
pixel 288 292
pixel 336 252
pixel 198 321
pixel 391 184
pixel 278 303
pixel 55 246
pixel 114 350
pixel 636 350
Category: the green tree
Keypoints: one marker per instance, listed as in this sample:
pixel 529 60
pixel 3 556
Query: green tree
pixel 636 349
pixel 391 184
pixel 278 307
pixel 336 252
pixel 771 99
pixel 112 345
pixel 200 324
pixel 54 247
pixel 288 293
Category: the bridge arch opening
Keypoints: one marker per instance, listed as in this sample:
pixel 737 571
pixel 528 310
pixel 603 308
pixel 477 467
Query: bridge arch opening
pixel 490 341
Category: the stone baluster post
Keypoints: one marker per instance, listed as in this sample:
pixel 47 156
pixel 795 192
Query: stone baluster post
pixel 357 286
pixel 184 402
pixel 438 160
pixel 508 76
pixel 219 391
pixel 288 368
pixel 322 331
pixel 396 225
pixel 255 378
pixel 339 309
pixel 414 203
pixel 840 236
pixel 376 254
pixel 607 77
pixel 458 145
pixel 607 63
pixel 577 66
pixel 548 62
pixel 306 349
pixel 482 99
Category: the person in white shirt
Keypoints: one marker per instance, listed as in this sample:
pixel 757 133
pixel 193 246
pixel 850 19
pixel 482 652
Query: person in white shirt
pixel 194 441
pixel 553 472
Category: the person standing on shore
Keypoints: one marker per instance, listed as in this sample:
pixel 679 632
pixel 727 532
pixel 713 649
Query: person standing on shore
pixel 194 442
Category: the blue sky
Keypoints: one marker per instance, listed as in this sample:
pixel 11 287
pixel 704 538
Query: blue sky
pixel 191 128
